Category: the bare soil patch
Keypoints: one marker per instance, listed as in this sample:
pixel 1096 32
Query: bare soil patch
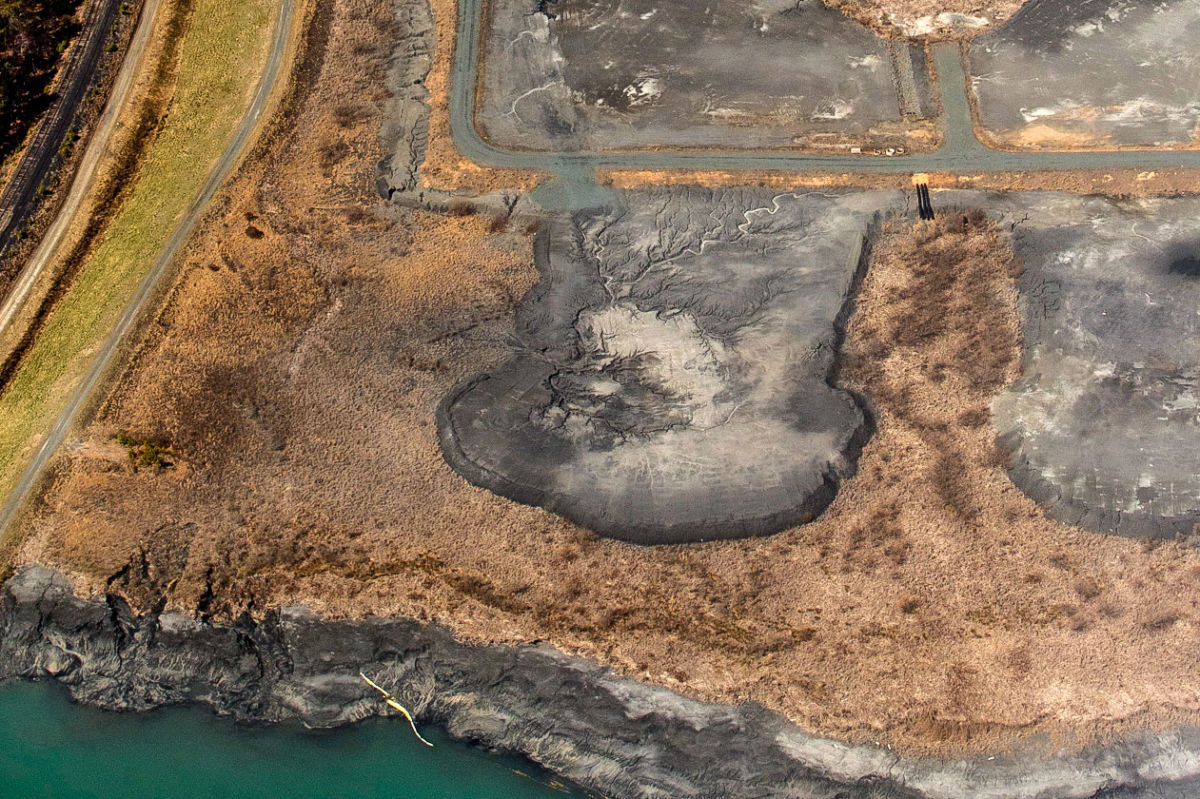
pixel 943 19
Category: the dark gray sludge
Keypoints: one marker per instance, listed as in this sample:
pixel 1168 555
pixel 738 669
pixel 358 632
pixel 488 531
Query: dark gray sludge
pixel 567 75
pixel 1104 424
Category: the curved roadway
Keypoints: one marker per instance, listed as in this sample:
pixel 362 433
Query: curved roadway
pixel 104 358
pixel 960 152
pixel 85 176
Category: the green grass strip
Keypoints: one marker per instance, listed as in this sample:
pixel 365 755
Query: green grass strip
pixel 223 55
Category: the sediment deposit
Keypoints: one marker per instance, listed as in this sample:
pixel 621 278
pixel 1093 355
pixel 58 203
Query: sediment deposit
pixel 611 76
pixel 669 381
pixel 1105 420
pixel 1104 73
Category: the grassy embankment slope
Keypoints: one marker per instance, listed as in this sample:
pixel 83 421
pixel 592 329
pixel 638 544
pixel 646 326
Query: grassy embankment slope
pixel 222 57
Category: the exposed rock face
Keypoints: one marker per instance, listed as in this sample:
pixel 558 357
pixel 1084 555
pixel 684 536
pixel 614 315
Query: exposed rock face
pixel 608 75
pixel 1036 77
pixel 626 739
pixel 1105 422
pixel 670 376
pixel 405 132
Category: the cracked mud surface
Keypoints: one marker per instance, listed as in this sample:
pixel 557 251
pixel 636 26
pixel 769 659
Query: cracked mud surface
pixel 1106 419
pixel 1036 77
pixel 625 74
pixel 669 381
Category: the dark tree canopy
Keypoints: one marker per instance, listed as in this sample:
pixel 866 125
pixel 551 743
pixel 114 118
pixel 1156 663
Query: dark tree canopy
pixel 33 36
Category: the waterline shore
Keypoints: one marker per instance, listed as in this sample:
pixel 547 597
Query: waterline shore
pixel 617 736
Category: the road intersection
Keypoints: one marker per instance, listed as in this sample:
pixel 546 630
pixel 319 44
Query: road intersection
pixel 961 152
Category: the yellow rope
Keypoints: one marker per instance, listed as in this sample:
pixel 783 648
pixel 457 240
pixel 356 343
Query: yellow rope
pixel 391 701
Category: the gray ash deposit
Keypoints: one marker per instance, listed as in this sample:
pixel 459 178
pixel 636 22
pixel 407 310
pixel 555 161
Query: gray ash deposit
pixel 670 375
pixel 1104 73
pixel 1105 422
pixel 570 75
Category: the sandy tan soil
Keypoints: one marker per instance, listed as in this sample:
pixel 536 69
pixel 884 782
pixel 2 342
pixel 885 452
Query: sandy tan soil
pixel 1125 182
pixel 939 19
pixel 294 373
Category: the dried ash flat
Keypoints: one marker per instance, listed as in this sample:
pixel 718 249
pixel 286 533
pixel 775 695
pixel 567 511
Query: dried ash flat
pixel 669 380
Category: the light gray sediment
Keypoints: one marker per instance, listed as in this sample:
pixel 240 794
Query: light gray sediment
pixel 670 373
pixel 1104 424
pixel 566 75
pixel 1115 72
pixel 626 739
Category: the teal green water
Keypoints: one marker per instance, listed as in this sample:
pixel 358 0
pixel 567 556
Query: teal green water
pixel 52 748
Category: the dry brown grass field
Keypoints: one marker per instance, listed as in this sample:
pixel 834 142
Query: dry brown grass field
pixel 292 379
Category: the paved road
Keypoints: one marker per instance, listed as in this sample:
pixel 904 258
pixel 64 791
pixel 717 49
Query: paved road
pixel 183 230
pixel 77 75
pixel 85 176
pixel 961 151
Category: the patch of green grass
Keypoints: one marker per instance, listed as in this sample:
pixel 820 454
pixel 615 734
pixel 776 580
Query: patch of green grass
pixel 68 143
pixel 222 57
pixel 144 452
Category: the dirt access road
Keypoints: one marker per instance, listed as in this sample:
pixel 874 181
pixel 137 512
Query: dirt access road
pixel 85 176
pixel 105 355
